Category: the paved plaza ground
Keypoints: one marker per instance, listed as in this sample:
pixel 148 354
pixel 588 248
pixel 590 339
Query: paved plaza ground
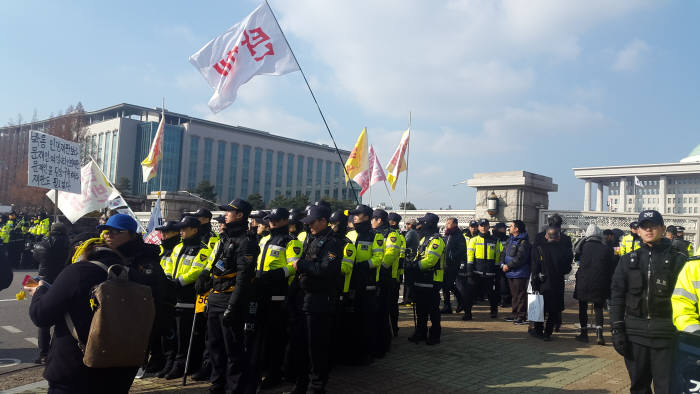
pixel 482 356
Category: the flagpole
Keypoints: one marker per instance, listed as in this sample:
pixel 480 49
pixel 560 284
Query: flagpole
pixel 408 155
pixel 393 206
pixel 162 161
pixel 314 97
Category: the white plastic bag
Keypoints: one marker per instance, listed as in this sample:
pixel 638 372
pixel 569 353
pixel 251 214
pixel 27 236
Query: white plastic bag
pixel 535 308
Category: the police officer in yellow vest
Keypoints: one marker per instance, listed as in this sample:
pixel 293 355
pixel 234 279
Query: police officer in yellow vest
pixel 7 226
pixel 429 267
pixel 392 253
pixel 344 313
pixel 187 261
pixel 229 274
pixel 370 255
pixel 396 271
pixel 681 235
pixel 265 343
pixel 209 237
pixel 296 227
pixel 686 371
pixel 630 241
pixel 483 259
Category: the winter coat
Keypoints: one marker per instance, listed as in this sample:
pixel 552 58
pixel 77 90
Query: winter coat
pixel 516 255
pixel 595 270
pixel 455 248
pixel 5 269
pixel 52 255
pixel 551 263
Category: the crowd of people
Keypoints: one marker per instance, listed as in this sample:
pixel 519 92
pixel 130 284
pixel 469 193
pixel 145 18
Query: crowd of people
pixel 291 293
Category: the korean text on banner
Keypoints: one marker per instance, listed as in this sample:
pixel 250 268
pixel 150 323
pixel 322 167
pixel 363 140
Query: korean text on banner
pixel 93 196
pixel 54 163
pixel 254 46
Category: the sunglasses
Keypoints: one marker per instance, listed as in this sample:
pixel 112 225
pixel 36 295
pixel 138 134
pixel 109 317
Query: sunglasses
pixel 114 232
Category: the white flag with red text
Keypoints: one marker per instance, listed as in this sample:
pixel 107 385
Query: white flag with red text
pixel 375 168
pixel 254 46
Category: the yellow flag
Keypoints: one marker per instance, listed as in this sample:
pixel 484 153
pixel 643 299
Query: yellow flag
pixel 358 161
pixel 398 164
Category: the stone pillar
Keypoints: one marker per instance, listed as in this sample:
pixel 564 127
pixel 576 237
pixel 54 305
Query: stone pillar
pixel 623 195
pixel 662 194
pixel 587 196
pixel 599 197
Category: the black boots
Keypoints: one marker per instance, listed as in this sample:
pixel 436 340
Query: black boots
pixel 447 309
pixel 599 334
pixel 583 336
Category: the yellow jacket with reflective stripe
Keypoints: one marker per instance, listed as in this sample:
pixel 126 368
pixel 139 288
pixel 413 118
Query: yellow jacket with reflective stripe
pixel 392 252
pixel 277 257
pixel 402 255
pixel 372 252
pixel 684 300
pixel 432 258
pixel 44 227
pixel 628 244
pixel 186 263
pixel 480 259
pixel 5 231
pixel 347 263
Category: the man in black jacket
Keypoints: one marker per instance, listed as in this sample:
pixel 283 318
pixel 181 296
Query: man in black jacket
pixel 52 255
pixel 640 306
pixel 318 270
pixel 455 255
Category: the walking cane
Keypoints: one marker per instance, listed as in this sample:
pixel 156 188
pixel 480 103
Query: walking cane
pixel 189 350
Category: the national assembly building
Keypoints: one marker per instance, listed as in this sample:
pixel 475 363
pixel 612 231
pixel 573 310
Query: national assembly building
pixel 668 187
pixel 238 161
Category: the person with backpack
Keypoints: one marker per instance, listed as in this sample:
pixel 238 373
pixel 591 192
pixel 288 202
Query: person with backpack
pixel 52 255
pixel 71 301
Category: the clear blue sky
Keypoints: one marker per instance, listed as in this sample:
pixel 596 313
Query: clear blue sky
pixel 539 85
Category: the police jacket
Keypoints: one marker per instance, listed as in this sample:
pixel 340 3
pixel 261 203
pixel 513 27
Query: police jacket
pixel 641 291
pixel 232 267
pixel 392 253
pixel 430 259
pixel 397 267
pixel 516 255
pixel 683 246
pixel 279 251
pixel 370 254
pixel 629 243
pixel 187 260
pixel 52 255
pixel 347 263
pixel 208 236
pixel 483 255
pixel 684 300
pixel 166 249
pixel 318 269
pixel 70 293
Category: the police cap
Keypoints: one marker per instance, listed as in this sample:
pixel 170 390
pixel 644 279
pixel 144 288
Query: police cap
pixel 170 225
pixel 361 209
pixel 187 221
pixel 316 212
pixel 278 214
pixel 239 205
pixel 380 214
pixel 338 216
pixel 394 217
pixel 429 218
pixel 202 213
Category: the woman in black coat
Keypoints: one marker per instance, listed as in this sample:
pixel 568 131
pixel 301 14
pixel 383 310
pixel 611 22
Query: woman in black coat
pixel 551 263
pixel 596 266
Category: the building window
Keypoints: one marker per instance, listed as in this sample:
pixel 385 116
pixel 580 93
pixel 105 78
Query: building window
pixel 245 172
pixel 192 171
pixel 318 195
pixel 300 171
pixel 290 171
pixel 232 172
pixel 319 169
pixel 257 168
pixel 220 157
pixel 328 172
pixel 268 175
pixel 113 161
pixel 99 150
pixel 335 194
pixel 668 210
pixel 280 166
pixel 309 171
pixel 206 170
pixel 337 172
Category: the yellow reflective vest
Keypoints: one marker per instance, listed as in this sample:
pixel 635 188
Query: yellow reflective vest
pixel 349 254
pixel 397 267
pixel 483 255
pixel 430 259
pixel 5 231
pixel 684 300
pixel 278 256
pixel 629 243
pixel 186 262
pixel 369 251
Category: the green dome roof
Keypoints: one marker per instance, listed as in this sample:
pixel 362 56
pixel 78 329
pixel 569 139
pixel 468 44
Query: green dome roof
pixel 693 156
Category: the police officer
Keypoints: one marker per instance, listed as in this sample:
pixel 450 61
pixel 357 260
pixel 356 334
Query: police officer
pixel 503 290
pixel 681 235
pixel 640 306
pixel 678 242
pixel 209 237
pixel 465 280
pixel 228 275
pixel 392 253
pixel 164 344
pixel 265 344
pixel 370 255
pixel 318 270
pixel 686 371
pixel 296 227
pixel 344 312
pixel 483 257
pixel 428 267
pixel 630 241
pixel 396 271
pixel 258 225
pixel 188 259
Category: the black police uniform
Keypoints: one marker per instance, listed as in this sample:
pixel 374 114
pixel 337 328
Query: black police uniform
pixel 231 273
pixel 317 270
pixel 641 313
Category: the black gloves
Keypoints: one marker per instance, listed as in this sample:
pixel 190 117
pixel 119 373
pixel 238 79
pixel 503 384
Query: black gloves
pixel 228 316
pixel 619 338
pixel 203 283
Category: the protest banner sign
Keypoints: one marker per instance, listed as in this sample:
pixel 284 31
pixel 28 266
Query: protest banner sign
pixel 54 163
